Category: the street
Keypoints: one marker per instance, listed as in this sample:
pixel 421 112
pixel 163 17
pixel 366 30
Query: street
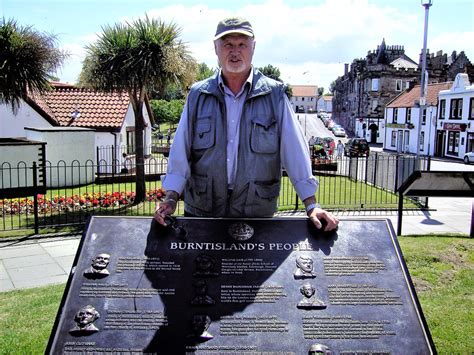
pixel 313 126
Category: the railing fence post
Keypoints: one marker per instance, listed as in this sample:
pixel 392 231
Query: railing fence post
pixel 35 197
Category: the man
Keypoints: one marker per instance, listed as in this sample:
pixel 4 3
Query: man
pixel 309 301
pixel 98 268
pixel 340 149
pixel 236 132
pixel 304 268
pixel 84 319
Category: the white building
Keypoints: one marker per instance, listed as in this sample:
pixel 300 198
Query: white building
pixel 324 103
pixel 455 127
pixel 304 98
pixel 66 111
pixel 402 120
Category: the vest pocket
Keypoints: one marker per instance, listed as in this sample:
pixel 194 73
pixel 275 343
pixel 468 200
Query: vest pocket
pixel 262 198
pixel 203 133
pixel 200 189
pixel 264 135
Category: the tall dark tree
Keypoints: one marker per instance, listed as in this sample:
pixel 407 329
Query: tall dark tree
pixel 320 91
pixel 28 59
pixel 136 58
pixel 271 71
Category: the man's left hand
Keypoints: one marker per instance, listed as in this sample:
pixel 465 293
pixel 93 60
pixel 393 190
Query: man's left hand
pixel 316 215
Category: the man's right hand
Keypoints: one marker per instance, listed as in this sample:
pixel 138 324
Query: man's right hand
pixel 166 207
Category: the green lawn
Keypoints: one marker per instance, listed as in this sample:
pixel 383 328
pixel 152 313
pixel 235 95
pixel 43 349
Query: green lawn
pixel 442 268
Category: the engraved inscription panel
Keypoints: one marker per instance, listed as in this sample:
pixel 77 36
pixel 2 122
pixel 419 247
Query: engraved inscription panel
pixel 253 286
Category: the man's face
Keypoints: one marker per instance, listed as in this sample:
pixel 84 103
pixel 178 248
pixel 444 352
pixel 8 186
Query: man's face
pixel 308 290
pixel 101 261
pixel 85 316
pixel 204 263
pixel 306 264
pixel 199 323
pixel 235 53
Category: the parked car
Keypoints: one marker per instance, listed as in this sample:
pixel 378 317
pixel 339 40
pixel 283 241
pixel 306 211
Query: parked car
pixel 469 158
pixel 356 147
pixel 339 132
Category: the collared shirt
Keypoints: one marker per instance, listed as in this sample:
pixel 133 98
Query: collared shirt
pixel 294 151
pixel 234 105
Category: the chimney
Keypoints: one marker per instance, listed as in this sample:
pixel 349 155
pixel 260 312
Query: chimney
pixel 346 68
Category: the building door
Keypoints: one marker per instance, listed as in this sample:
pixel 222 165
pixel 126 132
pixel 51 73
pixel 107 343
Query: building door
pixel 400 141
pixel 439 149
pixel 373 133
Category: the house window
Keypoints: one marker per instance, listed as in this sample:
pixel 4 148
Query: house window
pixel 408 115
pixel 471 108
pixel 393 141
pixel 395 114
pixel 456 109
pixel 422 140
pixel 398 85
pixel 453 142
pixel 375 84
pixel 302 99
pixel 442 109
pixel 130 140
pixel 423 116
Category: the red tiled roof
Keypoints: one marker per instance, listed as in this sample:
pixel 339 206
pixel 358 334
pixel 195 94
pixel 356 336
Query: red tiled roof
pixel 97 109
pixel 304 90
pixel 408 98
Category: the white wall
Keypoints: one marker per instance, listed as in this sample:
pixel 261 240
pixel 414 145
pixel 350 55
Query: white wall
pixel 16 162
pixel 70 154
pixel 12 126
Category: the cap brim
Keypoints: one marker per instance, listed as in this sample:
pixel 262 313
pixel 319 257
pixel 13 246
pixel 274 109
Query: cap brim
pixel 242 32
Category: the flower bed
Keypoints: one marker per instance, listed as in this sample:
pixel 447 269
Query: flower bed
pixel 76 202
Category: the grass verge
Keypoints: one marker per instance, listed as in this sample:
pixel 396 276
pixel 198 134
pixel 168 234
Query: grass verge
pixel 442 269
pixel 27 317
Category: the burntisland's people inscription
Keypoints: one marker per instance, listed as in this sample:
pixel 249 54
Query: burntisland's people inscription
pixel 217 286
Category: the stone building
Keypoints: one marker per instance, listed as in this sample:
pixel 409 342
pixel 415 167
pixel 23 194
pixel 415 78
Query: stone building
pixel 369 84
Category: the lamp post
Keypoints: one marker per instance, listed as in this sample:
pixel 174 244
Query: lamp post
pixel 426 4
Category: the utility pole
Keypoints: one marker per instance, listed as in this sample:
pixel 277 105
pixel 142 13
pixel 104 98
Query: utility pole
pixel 426 4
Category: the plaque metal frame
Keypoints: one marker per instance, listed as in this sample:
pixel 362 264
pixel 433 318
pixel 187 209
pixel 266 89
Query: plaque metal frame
pixel 166 265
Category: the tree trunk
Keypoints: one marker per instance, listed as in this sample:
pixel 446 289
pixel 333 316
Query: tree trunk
pixel 140 187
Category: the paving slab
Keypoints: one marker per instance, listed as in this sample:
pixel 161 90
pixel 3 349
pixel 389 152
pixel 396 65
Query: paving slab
pixel 35 272
pixel 61 250
pixel 32 260
pixel 20 250
pixel 65 262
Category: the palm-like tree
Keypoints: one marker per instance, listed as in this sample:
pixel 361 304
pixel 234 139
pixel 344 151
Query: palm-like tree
pixel 27 60
pixel 136 58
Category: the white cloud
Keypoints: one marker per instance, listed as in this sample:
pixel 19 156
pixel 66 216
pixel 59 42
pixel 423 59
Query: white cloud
pixel 316 39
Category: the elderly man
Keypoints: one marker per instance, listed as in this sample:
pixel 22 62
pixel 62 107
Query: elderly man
pixel 98 268
pixel 236 132
pixel 84 318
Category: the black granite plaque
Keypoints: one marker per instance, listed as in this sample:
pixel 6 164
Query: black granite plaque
pixel 252 286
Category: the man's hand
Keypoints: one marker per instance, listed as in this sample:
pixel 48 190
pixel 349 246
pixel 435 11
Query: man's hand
pixel 166 207
pixel 316 215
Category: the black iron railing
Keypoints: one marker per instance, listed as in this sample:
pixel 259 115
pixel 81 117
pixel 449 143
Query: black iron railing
pixel 68 193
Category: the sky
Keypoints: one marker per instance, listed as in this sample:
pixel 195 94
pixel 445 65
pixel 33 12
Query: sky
pixel 308 40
